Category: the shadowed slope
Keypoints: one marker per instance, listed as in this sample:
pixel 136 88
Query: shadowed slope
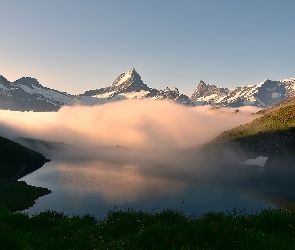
pixel 15 162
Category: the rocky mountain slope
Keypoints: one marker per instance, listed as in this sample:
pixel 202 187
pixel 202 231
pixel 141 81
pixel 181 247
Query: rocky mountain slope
pixel 130 85
pixel 264 94
pixel 27 94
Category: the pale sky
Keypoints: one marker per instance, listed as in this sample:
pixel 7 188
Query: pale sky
pixel 74 46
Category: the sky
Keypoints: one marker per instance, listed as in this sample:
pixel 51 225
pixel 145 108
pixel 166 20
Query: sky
pixel 75 46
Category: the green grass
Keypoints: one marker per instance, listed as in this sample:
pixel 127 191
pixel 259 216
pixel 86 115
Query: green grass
pixel 268 229
pixel 279 120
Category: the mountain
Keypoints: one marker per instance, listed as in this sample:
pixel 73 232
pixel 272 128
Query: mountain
pixel 282 104
pixel 27 94
pixel 129 86
pixel 271 135
pixel 264 94
pixel 174 96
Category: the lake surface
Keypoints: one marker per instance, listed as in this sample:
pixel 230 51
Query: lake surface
pixel 95 187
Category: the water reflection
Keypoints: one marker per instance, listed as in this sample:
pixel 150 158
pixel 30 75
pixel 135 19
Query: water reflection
pixel 95 187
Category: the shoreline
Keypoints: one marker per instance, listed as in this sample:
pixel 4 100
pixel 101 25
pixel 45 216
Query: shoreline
pixel 25 170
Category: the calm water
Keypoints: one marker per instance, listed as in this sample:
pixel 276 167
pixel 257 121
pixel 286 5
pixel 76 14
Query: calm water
pixel 81 187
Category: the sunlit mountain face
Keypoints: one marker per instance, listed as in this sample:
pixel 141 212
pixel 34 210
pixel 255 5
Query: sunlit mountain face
pixel 27 94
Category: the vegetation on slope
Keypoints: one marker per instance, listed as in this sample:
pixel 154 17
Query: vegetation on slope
pixel 15 162
pixel 273 132
pixel 14 157
pixel 19 196
pixel 278 120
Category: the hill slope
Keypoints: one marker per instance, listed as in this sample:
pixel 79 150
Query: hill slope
pixel 15 162
pixel 270 133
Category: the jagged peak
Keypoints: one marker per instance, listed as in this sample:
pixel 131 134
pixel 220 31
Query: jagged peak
pixel 125 76
pixel 3 78
pixel 267 81
pixel 131 71
pixel 168 90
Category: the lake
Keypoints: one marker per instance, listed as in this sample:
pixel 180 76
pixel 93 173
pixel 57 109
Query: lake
pixel 95 187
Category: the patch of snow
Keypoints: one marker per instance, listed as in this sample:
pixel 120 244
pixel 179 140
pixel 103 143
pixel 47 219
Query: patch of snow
pixel 261 83
pixel 259 161
pixel 175 90
pixel 207 98
pixel 104 95
pixel 88 100
pixel 52 96
pixel 125 77
pixel 248 102
pixel 275 95
pixel 197 102
pixel 2 87
pixel 134 94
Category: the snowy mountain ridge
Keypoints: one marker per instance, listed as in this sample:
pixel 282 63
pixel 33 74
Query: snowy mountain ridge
pixel 264 94
pixel 130 86
pixel 27 94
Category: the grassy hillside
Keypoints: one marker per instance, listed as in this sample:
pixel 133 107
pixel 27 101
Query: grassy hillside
pixel 270 133
pixel 279 120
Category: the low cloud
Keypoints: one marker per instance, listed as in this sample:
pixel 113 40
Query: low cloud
pixel 154 141
pixel 140 124
pixel 152 135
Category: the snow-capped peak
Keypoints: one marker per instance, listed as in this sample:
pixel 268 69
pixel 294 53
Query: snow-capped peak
pixel 264 94
pixel 125 76
pixel 263 82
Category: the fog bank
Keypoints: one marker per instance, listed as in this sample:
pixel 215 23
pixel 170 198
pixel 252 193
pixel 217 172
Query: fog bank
pixel 140 124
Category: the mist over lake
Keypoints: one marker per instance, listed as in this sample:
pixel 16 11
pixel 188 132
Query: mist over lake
pixel 141 154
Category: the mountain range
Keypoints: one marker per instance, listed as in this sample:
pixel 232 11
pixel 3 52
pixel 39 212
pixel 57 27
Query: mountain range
pixel 27 94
